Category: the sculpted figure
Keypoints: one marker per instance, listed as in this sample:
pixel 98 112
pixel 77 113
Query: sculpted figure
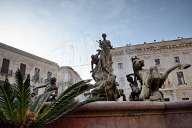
pixel 152 79
pixel 101 68
pixel 134 96
pixel 102 61
pixel 112 91
pixel 121 93
pixel 94 64
pixel 107 89
pixel 105 57
pixel 137 66
pixel 52 87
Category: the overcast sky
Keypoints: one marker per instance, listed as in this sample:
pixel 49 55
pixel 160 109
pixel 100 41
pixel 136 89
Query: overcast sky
pixel 65 31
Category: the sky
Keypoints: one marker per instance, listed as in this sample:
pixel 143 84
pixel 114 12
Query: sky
pixel 65 31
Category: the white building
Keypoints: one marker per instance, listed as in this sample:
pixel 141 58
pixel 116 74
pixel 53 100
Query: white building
pixel 40 69
pixel 163 54
pixel 67 76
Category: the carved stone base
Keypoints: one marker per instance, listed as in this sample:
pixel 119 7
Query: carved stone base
pixel 108 95
pixel 156 96
pixel 106 90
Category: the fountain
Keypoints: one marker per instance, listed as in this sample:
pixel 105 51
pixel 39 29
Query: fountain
pixel 145 108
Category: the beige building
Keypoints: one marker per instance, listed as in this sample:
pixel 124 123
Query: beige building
pixel 67 76
pixel 164 55
pixel 40 69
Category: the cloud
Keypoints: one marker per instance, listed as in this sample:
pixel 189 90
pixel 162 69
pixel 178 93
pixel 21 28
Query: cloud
pixel 59 29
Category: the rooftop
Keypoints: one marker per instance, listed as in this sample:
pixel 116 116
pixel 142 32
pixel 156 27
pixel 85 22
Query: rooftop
pixel 21 52
pixel 156 43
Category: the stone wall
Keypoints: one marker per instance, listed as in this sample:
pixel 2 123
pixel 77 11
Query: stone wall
pixel 129 115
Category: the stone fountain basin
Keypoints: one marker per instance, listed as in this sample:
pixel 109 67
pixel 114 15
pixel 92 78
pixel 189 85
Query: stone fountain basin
pixel 111 114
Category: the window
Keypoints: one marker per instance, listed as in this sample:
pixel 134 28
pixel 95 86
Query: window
pixel 5 66
pixel 180 78
pixel 120 65
pixel 23 69
pixel 157 61
pixel 185 98
pixel 166 99
pixel 66 76
pixel 122 81
pixel 177 60
pixel 36 74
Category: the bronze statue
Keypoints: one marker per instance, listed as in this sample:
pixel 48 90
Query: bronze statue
pixel 134 96
pixel 50 87
pixel 107 89
pixel 101 68
pixel 151 80
pixel 94 63
pixel 105 57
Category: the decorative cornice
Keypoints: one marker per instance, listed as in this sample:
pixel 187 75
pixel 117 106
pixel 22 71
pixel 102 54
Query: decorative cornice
pixel 23 53
pixel 117 52
pixel 153 47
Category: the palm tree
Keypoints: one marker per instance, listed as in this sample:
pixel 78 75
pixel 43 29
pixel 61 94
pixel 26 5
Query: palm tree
pixel 18 109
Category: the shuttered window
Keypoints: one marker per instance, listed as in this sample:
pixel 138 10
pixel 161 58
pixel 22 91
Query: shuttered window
pixel 23 69
pixel 5 66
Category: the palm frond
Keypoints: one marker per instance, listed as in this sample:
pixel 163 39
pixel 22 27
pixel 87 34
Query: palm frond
pixel 70 108
pixel 70 93
pixel 38 103
pixel 6 101
pixel 65 101
pixel 22 89
pixel 18 78
pixel 17 107
pixel 2 117
pixel 75 86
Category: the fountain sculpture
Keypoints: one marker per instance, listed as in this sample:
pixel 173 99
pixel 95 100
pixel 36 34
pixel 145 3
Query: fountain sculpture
pixel 101 64
pixel 150 80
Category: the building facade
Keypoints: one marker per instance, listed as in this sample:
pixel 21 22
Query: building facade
pixel 40 69
pixel 67 76
pixel 164 55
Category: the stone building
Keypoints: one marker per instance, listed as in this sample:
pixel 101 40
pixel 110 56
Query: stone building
pixel 40 69
pixel 67 76
pixel 164 55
